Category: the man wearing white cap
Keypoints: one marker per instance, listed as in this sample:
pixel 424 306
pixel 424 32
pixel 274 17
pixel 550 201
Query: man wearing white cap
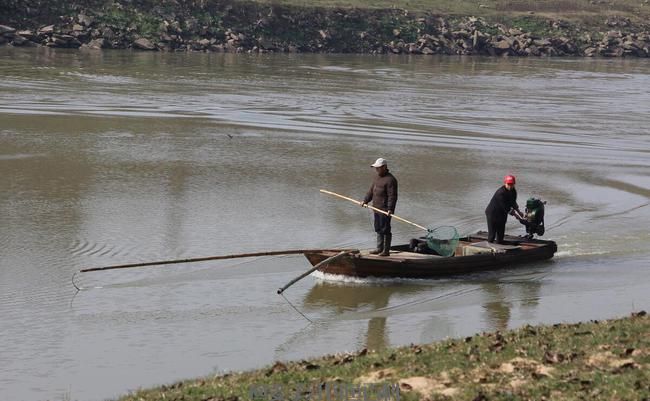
pixel 383 194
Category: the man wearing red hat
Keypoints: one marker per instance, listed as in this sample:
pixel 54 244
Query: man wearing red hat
pixel 503 202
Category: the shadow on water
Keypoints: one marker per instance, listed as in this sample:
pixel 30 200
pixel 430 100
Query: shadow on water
pixel 430 301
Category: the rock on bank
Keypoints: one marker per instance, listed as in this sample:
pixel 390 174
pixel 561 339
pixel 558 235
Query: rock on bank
pixel 254 27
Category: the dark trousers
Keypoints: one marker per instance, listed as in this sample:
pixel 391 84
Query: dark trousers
pixel 496 228
pixel 382 224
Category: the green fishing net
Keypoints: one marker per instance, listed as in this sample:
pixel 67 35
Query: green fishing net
pixel 443 240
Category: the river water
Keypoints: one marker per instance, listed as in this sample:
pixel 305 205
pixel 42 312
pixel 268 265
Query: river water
pixel 116 157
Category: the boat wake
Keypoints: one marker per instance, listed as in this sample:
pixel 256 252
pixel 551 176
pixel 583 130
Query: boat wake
pixel 343 279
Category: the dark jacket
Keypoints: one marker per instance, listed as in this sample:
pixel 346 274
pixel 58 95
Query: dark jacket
pixel 383 193
pixel 501 203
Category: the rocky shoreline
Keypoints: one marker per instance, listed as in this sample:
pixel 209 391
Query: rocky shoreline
pixel 257 28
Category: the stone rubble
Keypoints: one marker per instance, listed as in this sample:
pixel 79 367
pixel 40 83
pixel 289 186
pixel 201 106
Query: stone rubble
pixel 423 36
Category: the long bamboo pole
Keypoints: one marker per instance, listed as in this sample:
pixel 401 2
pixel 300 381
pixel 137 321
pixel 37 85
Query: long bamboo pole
pixel 375 209
pixel 313 269
pixel 203 259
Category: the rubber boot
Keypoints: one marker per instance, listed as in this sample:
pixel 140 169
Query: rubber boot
pixel 380 245
pixel 387 241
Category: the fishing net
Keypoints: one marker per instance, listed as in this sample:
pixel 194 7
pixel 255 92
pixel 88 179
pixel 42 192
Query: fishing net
pixel 443 240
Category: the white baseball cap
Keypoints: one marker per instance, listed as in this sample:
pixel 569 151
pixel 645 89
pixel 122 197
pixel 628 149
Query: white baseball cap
pixel 379 162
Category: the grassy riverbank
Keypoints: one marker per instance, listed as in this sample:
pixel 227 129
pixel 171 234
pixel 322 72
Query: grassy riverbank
pixel 603 360
pixel 591 13
pixel 562 8
pixel 575 9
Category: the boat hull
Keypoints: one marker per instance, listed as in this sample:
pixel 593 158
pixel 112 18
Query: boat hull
pixel 404 264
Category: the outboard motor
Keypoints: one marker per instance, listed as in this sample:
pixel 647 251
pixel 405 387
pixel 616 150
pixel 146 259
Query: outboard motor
pixel 534 217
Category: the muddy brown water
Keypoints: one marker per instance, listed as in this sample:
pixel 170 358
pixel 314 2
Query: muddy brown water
pixel 116 157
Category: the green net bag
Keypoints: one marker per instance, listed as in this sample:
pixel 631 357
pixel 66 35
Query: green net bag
pixel 443 240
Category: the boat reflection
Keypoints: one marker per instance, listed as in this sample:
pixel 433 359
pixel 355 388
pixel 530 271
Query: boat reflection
pixel 344 298
pixel 522 292
pixel 496 294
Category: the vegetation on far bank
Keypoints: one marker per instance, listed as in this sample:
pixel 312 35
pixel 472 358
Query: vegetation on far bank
pixel 576 9
pixel 603 360
pixel 591 13
pixel 573 9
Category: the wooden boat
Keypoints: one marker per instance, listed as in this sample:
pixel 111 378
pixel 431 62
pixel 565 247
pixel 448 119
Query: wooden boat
pixel 473 254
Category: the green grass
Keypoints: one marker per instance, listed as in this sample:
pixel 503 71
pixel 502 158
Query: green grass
pixel 567 8
pixel 145 24
pixel 608 360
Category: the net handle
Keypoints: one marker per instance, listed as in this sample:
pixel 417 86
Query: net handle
pixel 375 209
